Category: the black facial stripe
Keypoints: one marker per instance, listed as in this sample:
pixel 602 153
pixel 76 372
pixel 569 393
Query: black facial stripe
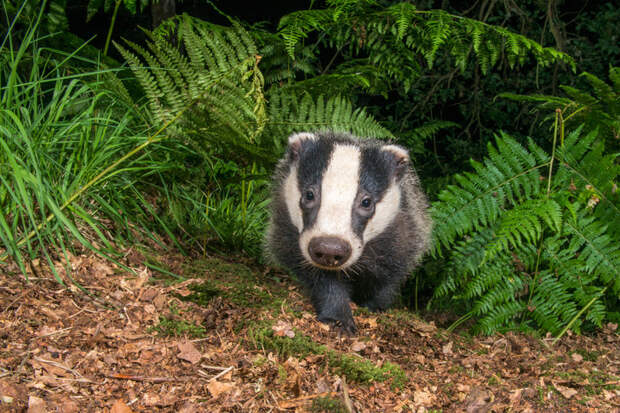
pixel 313 161
pixel 376 170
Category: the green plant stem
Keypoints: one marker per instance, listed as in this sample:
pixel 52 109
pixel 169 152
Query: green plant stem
pixel 460 321
pixel 576 317
pixel 111 29
pixel 558 121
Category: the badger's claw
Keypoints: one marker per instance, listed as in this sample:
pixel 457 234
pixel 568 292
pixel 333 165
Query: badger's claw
pixel 347 327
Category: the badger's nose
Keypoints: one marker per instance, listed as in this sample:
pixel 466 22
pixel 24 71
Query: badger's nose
pixel 329 251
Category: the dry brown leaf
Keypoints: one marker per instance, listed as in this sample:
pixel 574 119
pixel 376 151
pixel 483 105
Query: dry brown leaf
pixel 120 407
pixel 371 321
pixel 188 352
pixel 282 328
pixel 67 406
pixel 216 387
pixel 151 399
pixel 188 407
pixel 358 346
pixel 423 398
pixel 36 405
pixel 567 392
pixel 577 358
pixel 424 329
pixel 477 400
pixel 463 387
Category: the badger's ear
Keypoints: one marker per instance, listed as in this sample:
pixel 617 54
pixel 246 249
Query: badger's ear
pixel 400 159
pixel 295 142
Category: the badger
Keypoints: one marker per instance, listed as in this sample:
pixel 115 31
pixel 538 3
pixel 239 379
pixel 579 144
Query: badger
pixel 349 219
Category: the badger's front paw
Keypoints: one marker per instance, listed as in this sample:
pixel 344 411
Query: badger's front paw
pixel 345 325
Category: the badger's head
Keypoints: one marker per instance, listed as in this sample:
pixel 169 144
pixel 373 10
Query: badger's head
pixel 341 193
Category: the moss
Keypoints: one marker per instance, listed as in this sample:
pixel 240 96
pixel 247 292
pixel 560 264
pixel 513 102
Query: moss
pixel 235 282
pixel 178 328
pixel 327 404
pixel 354 368
pixel 588 355
pixel 362 370
pixel 282 374
pixel 201 293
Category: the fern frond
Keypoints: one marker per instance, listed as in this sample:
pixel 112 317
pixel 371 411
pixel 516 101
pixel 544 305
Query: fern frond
pixel 289 113
pixel 478 201
pixel 597 110
pixel 396 37
pixel 540 255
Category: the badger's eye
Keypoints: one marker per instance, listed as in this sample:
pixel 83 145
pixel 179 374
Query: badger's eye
pixel 309 196
pixel 366 202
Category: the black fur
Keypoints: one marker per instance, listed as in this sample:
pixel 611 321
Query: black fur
pixel 386 261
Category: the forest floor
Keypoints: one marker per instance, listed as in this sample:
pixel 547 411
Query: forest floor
pixel 237 337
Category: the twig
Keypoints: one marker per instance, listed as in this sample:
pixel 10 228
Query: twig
pixel 206 366
pixel 59 365
pixel 345 393
pixel 148 379
pixel 287 404
pixel 220 374
pixel 22 295
pixel 62 330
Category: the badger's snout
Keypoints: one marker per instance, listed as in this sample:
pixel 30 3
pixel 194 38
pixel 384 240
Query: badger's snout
pixel 330 252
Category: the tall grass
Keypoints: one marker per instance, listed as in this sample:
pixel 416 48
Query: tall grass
pixel 58 132
pixel 78 169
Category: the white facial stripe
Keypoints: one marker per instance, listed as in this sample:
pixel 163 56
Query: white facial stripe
pixel 385 212
pixel 292 195
pixel 338 191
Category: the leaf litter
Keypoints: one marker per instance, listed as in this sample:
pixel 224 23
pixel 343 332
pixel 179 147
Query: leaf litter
pixel 140 343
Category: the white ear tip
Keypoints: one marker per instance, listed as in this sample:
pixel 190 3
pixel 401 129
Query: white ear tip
pixel 399 151
pixel 297 137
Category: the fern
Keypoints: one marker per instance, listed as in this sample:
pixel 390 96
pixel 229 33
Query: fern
pixel 107 5
pixel 213 84
pixel 289 113
pixel 530 252
pixel 599 108
pixel 394 38
pixel 216 85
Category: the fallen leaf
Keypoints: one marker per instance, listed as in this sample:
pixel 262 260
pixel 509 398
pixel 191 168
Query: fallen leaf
pixel 188 407
pixel 371 321
pixel 447 348
pixel 358 346
pixel 120 407
pixel 567 392
pixel 188 352
pixel 216 387
pixel 423 329
pixel 36 405
pixel 282 328
pixel 151 399
pixel 477 400
pixel 463 387
pixel 515 396
pixel 423 397
pixel 578 358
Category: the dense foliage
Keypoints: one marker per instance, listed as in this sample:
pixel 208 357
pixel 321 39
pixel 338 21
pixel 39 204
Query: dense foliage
pixel 174 134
